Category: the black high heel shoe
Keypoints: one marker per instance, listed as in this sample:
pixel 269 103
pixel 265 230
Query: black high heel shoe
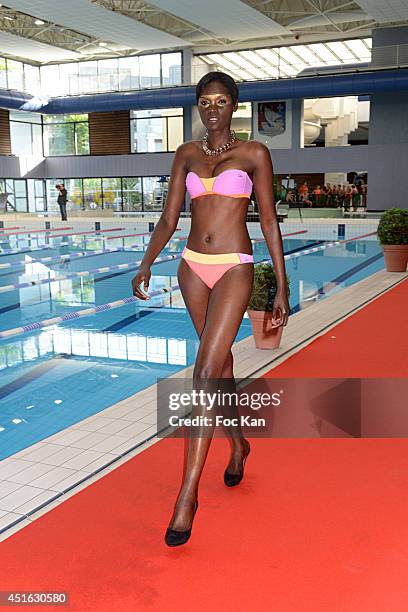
pixel 177 538
pixel 231 480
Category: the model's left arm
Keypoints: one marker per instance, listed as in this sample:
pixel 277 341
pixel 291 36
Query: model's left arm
pixel 263 185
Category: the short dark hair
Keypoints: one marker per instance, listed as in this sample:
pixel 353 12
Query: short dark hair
pixel 221 77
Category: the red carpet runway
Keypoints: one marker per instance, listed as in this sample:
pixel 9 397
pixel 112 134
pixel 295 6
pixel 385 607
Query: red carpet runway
pixel 315 524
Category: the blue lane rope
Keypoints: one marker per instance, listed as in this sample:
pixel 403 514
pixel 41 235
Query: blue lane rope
pixel 124 266
pixel 80 313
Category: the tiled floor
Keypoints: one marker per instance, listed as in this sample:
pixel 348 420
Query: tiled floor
pixel 39 477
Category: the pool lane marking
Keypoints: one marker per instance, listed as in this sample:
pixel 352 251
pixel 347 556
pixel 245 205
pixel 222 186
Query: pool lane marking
pixel 81 313
pixel 50 246
pixel 62 258
pixel 100 237
pixel 41 231
pixel 320 248
pixel 27 250
pixel 124 266
pixel 56 229
pixel 69 256
pixel 78 254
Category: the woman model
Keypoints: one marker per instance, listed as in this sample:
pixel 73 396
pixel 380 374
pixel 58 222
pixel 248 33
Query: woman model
pixel 215 274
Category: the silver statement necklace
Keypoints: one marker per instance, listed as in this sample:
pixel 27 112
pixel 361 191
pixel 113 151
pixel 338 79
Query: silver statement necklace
pixel 219 150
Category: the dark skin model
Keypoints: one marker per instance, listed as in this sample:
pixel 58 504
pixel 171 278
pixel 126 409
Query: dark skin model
pixel 218 225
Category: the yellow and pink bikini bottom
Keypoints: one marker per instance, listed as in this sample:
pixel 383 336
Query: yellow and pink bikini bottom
pixel 210 268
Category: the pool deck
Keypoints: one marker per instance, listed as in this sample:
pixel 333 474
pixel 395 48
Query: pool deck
pixel 38 478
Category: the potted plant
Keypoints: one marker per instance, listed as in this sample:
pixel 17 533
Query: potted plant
pixel 260 307
pixel 392 233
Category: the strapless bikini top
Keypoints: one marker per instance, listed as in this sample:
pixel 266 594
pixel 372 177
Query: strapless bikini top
pixel 231 183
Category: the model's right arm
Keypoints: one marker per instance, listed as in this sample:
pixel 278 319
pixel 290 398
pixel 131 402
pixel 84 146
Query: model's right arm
pixel 167 223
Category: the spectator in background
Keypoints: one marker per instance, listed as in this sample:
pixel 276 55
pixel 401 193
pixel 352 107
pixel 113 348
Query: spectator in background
pixel 363 189
pixel 303 189
pixel 62 201
pixel 339 196
pixel 355 197
pixel 347 198
pixel 304 198
pixel 317 192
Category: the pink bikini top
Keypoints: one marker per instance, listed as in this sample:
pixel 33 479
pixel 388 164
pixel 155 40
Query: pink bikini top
pixel 231 183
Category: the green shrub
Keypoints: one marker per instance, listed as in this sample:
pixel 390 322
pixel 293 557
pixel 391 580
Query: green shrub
pixel 393 227
pixel 264 287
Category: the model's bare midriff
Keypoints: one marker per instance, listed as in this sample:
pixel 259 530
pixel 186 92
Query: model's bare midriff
pixel 218 225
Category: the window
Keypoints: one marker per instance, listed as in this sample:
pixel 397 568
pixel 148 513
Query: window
pixel 51 84
pixel 88 76
pixel 20 195
pixel 75 194
pixel 171 69
pixel 52 194
pixel 69 78
pixel 92 193
pixel 32 79
pixel 108 75
pixel 156 130
pixel 112 193
pixel 15 75
pixel 154 192
pixel 150 70
pixel 242 121
pixel 3 73
pixel 36 195
pixel 132 194
pixel 66 135
pixel 129 73
pixel 25 133
pixel 115 74
pixel 336 122
pixel 128 194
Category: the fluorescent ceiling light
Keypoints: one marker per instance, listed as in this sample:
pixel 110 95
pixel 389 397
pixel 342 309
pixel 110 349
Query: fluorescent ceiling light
pixel 39 22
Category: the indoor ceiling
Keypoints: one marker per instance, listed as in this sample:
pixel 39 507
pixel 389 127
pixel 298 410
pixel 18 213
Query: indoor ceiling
pixel 88 29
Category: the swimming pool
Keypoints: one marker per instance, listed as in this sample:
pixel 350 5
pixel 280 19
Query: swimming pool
pixel 59 375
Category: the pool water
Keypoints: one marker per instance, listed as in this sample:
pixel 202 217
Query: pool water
pixel 59 375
